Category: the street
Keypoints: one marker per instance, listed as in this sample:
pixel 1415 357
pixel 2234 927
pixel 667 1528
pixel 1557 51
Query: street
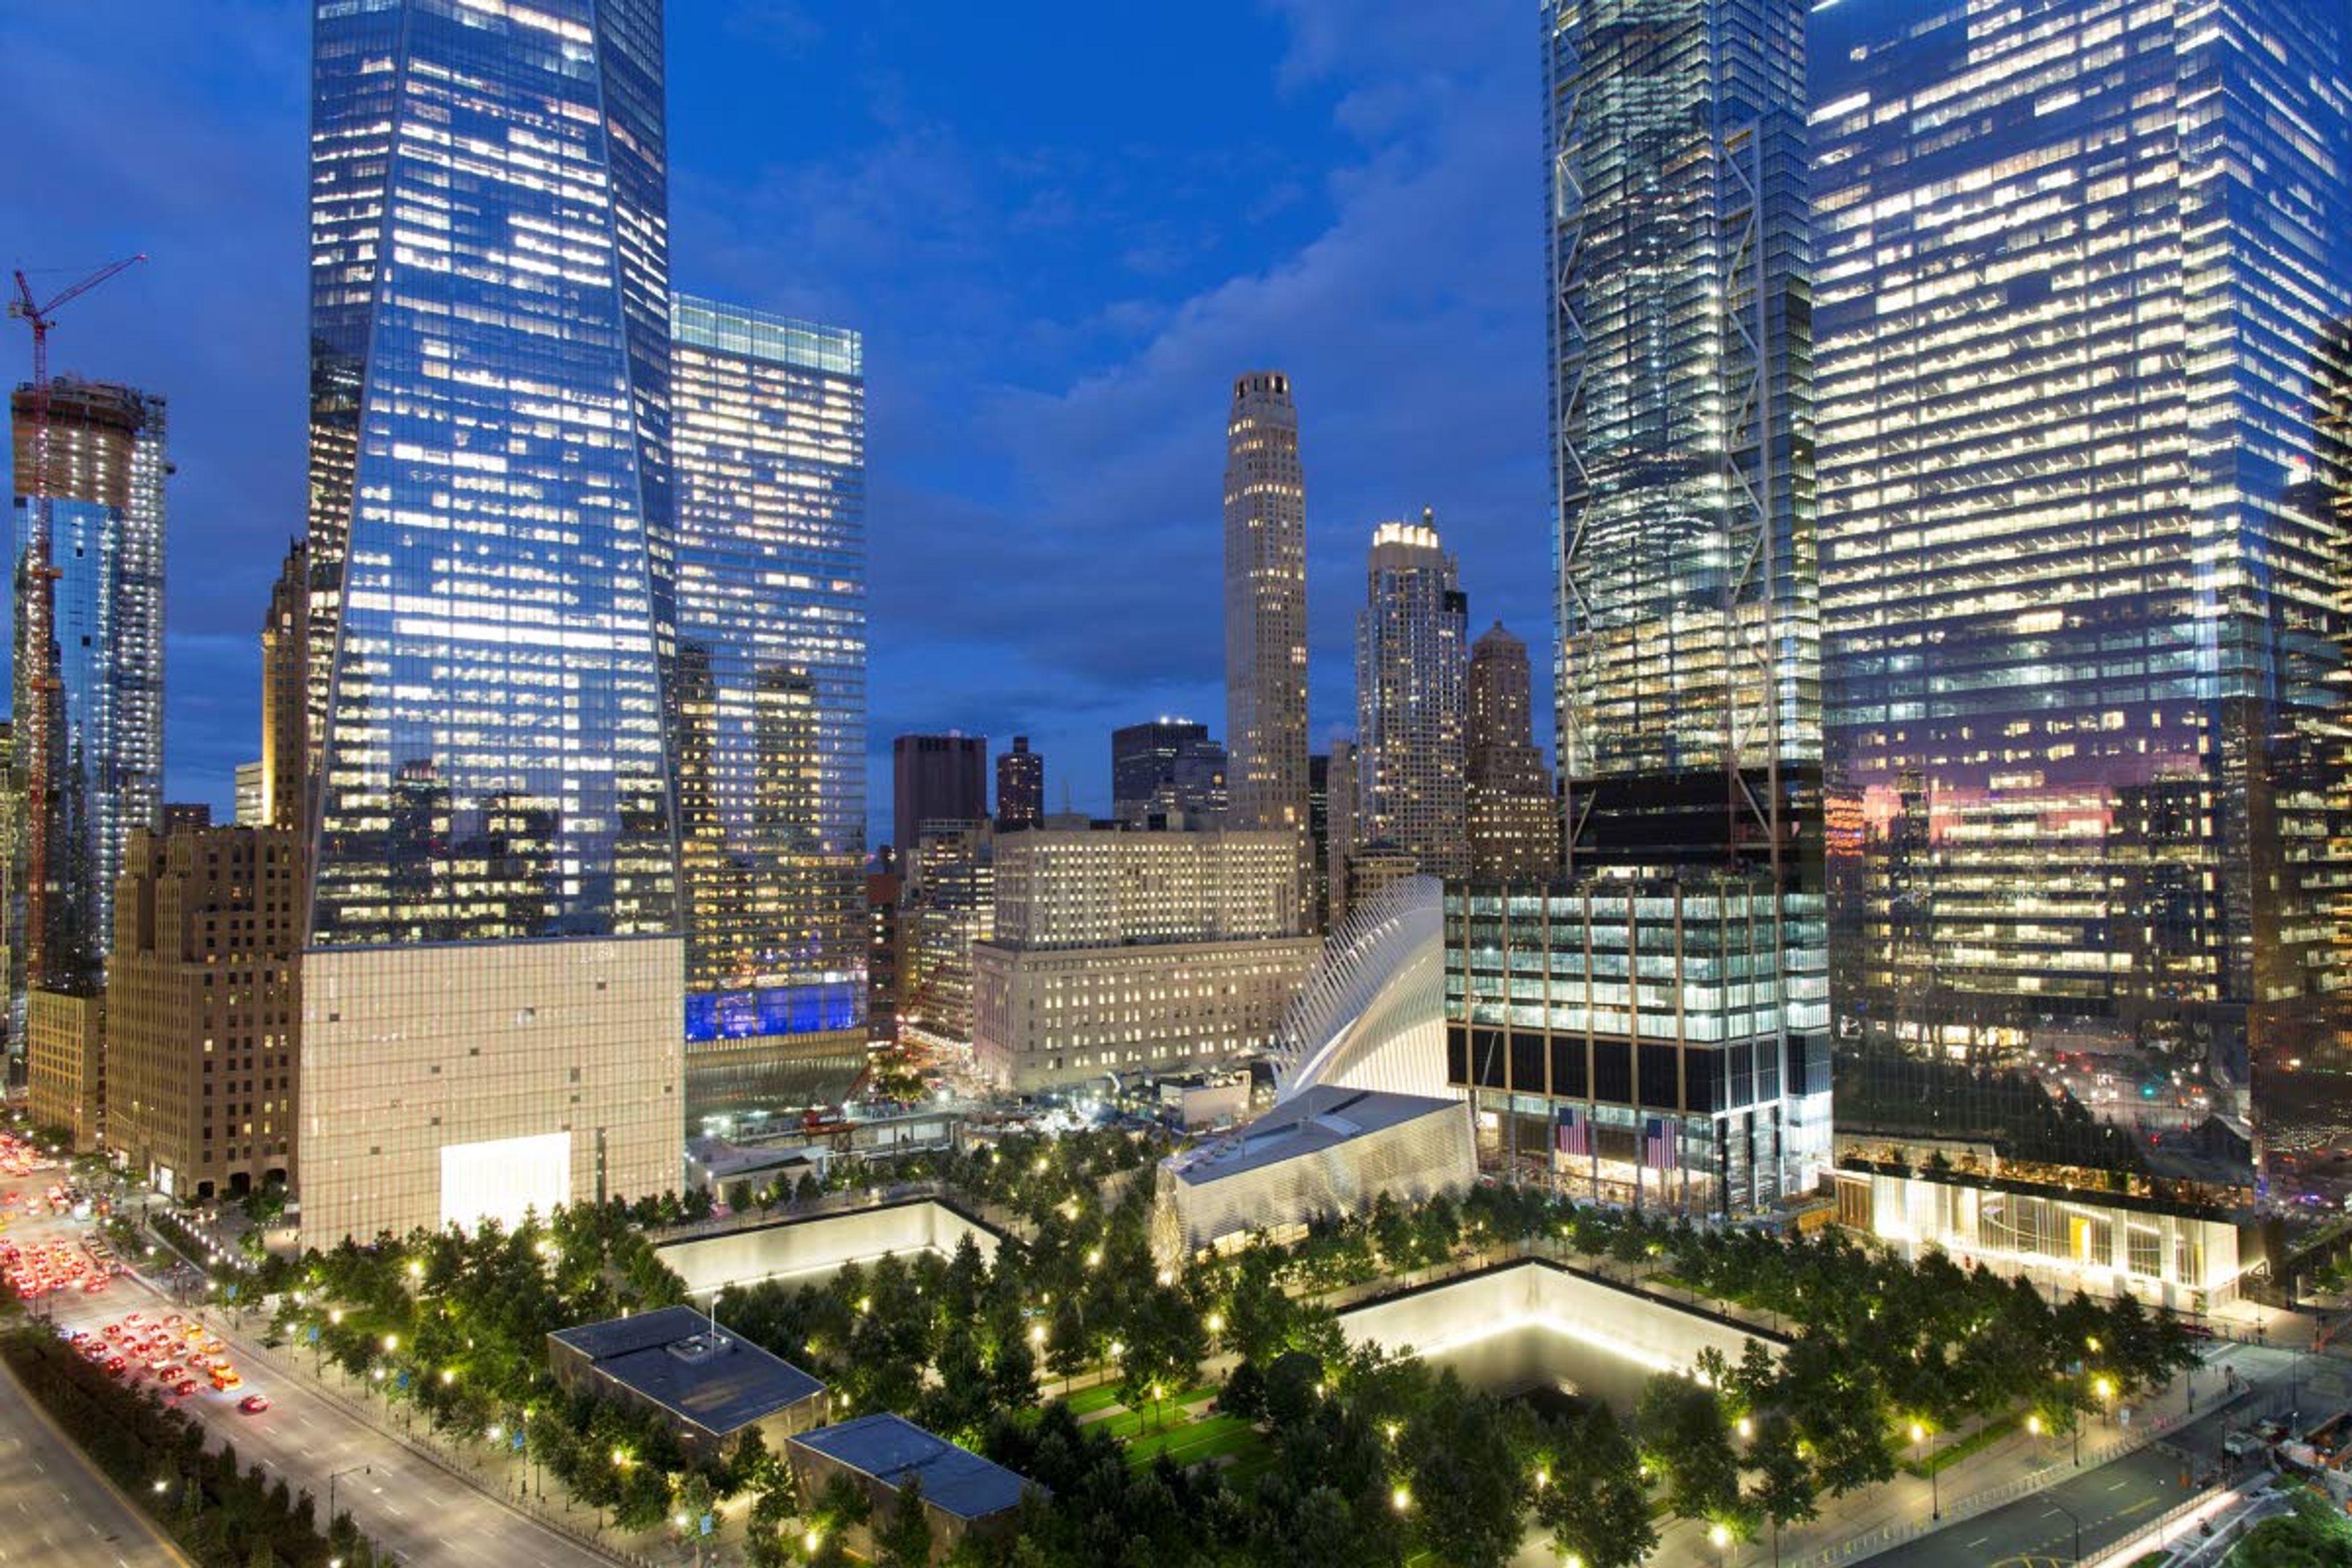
pixel 2112 1499
pixel 55 1508
pixel 406 1504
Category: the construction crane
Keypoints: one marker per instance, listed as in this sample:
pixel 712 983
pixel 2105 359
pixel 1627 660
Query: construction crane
pixel 40 683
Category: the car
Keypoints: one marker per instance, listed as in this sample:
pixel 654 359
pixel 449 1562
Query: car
pixel 2237 1445
pixel 254 1404
pixel 170 1372
pixel 112 1330
pixel 185 1386
pixel 115 1365
pixel 134 1318
pixel 93 1287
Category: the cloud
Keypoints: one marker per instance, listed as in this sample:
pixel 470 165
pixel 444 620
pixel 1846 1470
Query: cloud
pixel 1056 284
pixel 1413 327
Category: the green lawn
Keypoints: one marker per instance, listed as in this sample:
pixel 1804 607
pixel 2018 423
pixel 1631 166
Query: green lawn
pixel 1199 1442
pixel 1131 1424
pixel 1952 1454
pixel 1086 1401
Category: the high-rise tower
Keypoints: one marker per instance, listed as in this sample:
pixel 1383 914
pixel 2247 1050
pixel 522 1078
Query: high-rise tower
pixel 935 778
pixel 768 427
pixel 1514 820
pixel 1689 661
pixel 1688 664
pixel 492 991
pixel 1020 787
pixel 1265 613
pixel 285 695
pixel 103 703
pixel 2081 588
pixel 1411 720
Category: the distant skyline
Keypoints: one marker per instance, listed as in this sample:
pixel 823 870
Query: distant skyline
pixel 1059 263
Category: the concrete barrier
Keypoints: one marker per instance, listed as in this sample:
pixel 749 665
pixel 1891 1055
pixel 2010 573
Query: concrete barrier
pixel 792 1248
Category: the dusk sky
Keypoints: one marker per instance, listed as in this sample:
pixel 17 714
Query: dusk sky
pixel 1063 229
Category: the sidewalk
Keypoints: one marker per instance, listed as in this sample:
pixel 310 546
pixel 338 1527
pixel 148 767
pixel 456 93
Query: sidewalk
pixel 1853 1527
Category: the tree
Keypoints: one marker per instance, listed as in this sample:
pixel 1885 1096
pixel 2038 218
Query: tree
pixel 1783 1494
pixel 1012 1374
pixel 1685 1434
pixel 905 1539
pixel 1467 1479
pixel 1593 1500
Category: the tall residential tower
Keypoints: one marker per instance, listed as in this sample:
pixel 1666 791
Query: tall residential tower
pixel 1412 718
pixel 1266 613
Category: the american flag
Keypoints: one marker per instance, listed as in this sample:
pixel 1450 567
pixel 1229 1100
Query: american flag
pixel 1572 1136
pixel 1657 1144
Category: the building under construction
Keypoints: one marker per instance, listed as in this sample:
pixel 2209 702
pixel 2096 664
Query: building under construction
pixel 87 767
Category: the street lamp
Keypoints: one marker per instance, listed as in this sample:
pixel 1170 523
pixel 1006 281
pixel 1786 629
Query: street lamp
pixel 336 1475
pixel 1719 1536
pixel 1927 1435
pixel 2070 1518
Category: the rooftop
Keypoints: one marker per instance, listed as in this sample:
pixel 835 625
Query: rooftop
pixel 1310 1122
pixel 891 1449
pixel 719 1382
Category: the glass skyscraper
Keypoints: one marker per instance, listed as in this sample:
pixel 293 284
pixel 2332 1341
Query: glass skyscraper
pixel 1655 1030
pixel 1681 413
pixel 492 582
pixel 95 690
pixel 769 433
pixel 2077 265
pixel 490 331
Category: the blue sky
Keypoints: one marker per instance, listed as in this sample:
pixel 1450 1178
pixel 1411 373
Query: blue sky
pixel 1063 229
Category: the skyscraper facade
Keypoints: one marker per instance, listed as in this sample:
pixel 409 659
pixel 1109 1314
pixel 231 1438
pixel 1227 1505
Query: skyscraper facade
pixel 1339 836
pixel 1653 1030
pixel 1411 694
pixel 1687 604
pixel 1265 612
pixel 285 695
pixel 2078 266
pixel 1168 773
pixel 1319 842
pixel 1514 820
pixel 489 559
pixel 768 436
pixel 936 778
pixel 1020 787
pixel 203 1010
pixel 89 671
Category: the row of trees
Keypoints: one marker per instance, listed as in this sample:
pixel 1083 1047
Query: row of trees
pixel 221 1516
pixel 961 1345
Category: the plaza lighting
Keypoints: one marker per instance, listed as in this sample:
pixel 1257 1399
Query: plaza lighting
pixel 1401 1499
